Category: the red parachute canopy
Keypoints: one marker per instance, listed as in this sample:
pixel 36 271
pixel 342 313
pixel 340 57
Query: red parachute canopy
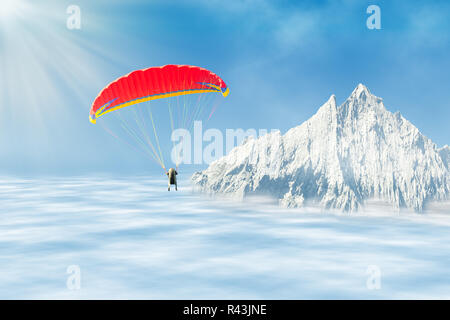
pixel 155 83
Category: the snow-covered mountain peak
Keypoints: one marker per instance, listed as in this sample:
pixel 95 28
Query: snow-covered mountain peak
pixel 360 90
pixel 329 106
pixel 361 101
pixel 339 158
pixel 332 100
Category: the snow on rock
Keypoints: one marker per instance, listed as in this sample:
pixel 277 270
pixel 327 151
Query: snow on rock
pixel 339 158
pixel 445 155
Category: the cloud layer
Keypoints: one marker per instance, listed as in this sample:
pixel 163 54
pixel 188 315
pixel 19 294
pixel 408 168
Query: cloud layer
pixel 133 239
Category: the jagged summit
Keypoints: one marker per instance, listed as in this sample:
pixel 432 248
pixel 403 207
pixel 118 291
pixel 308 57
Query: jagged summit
pixel 359 90
pixel 339 158
pixel 361 100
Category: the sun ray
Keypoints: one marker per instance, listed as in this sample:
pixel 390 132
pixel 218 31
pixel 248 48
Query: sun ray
pixel 48 73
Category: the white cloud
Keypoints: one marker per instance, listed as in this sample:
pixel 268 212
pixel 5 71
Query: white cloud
pixel 134 239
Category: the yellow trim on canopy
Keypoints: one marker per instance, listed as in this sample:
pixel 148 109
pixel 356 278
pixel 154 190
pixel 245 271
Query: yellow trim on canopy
pixel 226 92
pixel 155 97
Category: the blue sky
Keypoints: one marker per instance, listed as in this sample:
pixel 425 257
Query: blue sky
pixel 281 60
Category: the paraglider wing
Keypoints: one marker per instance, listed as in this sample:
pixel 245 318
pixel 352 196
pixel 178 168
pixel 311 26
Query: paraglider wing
pixel 155 83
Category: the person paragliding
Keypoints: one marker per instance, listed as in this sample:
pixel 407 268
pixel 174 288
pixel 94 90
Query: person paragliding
pixel 173 83
pixel 172 174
